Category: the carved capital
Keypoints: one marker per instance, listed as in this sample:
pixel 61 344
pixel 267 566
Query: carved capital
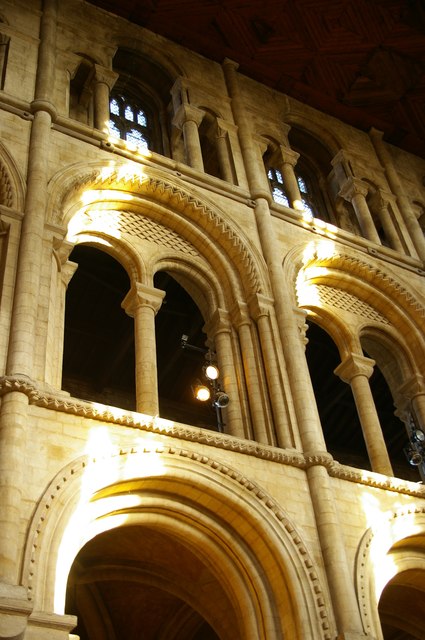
pixel 413 387
pixel 105 76
pixel 354 365
pixel 259 305
pixel 342 167
pixel 353 187
pixel 187 113
pixel 288 156
pixel 142 296
pixel 218 323
pixel 239 314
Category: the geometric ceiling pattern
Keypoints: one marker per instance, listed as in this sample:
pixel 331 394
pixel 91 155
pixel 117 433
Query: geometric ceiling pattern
pixel 362 61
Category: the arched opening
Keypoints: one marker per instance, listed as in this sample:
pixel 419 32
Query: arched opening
pixel 98 361
pixel 208 142
pixel 179 368
pixel 313 174
pixel 140 102
pixel 99 348
pixel 402 606
pixel 387 375
pixel 81 92
pixel 338 413
pixel 138 582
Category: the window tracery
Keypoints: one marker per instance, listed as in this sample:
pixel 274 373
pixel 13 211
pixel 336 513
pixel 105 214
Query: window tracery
pixel 128 121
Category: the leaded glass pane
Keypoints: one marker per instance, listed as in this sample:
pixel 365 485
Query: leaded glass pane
pixel 302 185
pixel 278 176
pixel 308 209
pixel 141 119
pixel 128 113
pixel 137 138
pixel 114 107
pixel 279 197
pixel 113 129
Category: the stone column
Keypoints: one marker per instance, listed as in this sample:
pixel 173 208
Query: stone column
pixel 289 159
pixel 104 80
pixel 14 606
pixel 413 390
pixel 188 119
pixel 223 153
pixel 67 271
pixel 219 330
pixel 347 615
pixel 396 187
pixel 261 310
pixel 259 416
pixel 355 191
pixel 356 371
pixel 142 303
pixel 382 203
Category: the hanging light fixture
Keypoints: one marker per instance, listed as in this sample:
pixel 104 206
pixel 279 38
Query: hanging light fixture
pixel 204 392
pixel 201 392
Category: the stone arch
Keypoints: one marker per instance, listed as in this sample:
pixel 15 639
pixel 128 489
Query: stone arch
pixel 11 182
pixel 261 554
pixel 322 263
pixel 127 187
pixel 296 118
pixel 194 277
pixel 388 548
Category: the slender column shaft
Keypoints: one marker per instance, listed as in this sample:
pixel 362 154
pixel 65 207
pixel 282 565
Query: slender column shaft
pixel 340 582
pixel 253 383
pixel 275 384
pixel 223 156
pixel 142 303
pixel 188 119
pixel 388 227
pixel 287 166
pixel 13 415
pixel 366 223
pixel 356 370
pixel 220 331
pixel 103 83
pixel 396 187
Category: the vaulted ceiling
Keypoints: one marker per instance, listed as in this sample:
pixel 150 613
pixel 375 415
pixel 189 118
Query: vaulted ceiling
pixel 362 61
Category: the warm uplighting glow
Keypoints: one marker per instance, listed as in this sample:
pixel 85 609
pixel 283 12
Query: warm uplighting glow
pixel 298 205
pixel 102 503
pixel 308 291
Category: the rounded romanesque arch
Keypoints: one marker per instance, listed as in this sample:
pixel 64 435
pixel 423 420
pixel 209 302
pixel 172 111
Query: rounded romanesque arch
pixel 250 552
pixel 389 572
pixel 131 191
pixel 12 190
pixel 326 279
pixel 379 358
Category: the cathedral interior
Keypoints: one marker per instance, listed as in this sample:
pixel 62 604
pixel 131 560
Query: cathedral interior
pixel 241 181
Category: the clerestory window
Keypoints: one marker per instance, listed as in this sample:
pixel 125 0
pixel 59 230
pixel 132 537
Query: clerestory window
pixel 306 196
pixel 277 186
pixel 129 122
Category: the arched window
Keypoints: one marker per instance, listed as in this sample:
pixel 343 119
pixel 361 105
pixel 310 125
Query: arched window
pixel 312 172
pixel 130 122
pixel 140 102
pixel 81 92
